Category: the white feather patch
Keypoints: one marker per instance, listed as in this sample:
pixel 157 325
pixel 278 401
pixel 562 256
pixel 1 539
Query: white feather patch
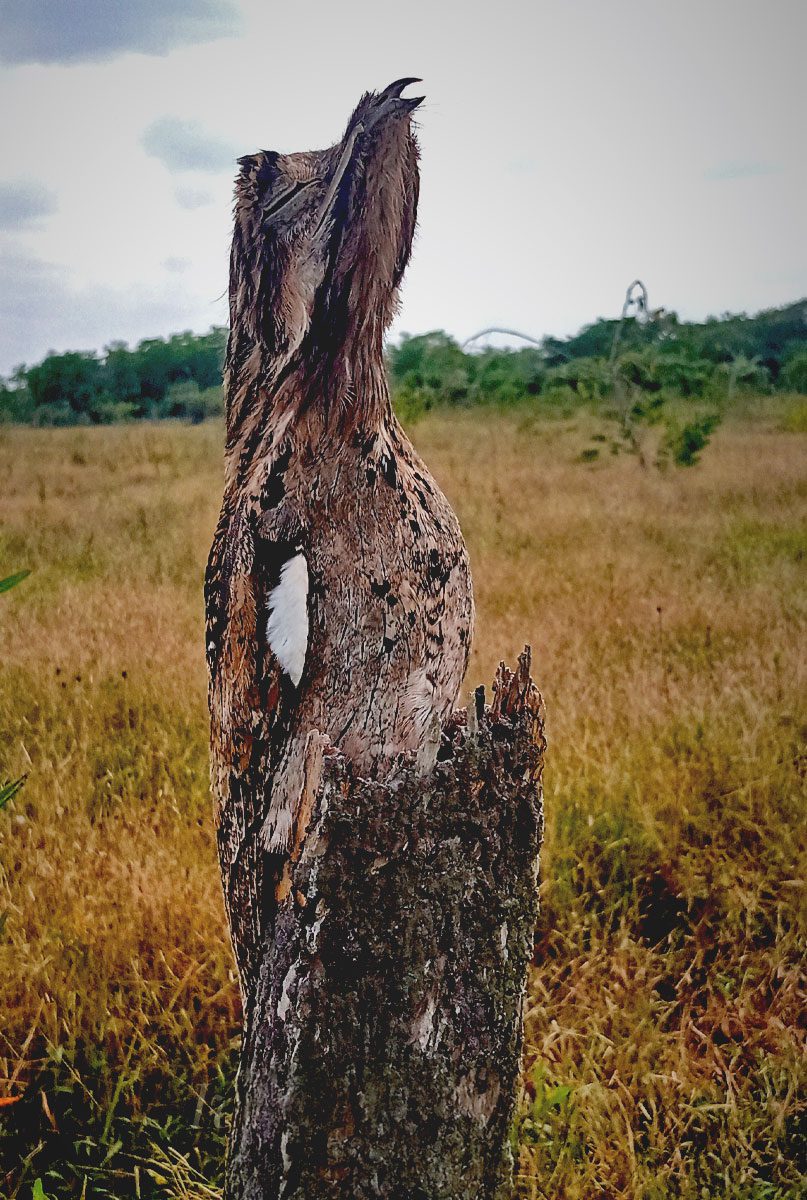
pixel 287 626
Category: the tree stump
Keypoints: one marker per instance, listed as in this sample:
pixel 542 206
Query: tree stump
pixel 382 1045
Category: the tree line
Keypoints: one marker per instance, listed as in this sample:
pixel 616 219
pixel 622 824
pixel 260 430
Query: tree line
pixel 658 358
pixel 178 376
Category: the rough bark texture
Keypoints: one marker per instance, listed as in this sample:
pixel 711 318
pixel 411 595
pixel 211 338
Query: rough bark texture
pixel 382 1045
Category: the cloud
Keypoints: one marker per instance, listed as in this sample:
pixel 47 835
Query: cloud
pixel 41 31
pixel 23 203
pixel 191 198
pixel 176 265
pixel 42 309
pixel 184 146
pixel 743 170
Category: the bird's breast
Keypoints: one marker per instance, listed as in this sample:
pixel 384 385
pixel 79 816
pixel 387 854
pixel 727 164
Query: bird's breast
pixel 391 608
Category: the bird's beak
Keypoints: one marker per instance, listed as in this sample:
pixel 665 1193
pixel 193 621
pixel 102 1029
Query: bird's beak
pixel 389 103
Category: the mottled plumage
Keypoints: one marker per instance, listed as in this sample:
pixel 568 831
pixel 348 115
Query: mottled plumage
pixel 338 592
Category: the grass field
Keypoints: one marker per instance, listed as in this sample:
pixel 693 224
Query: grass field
pixel 665 1016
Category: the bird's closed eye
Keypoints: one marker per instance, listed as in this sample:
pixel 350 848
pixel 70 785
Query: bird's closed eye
pixel 281 203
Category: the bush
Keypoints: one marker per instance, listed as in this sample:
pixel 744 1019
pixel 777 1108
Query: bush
pixel 16 406
pixel 412 403
pixel 682 375
pixel 207 403
pixel 58 415
pixel 794 374
pixel 587 379
pixel 684 444
pixel 110 412
pixel 740 375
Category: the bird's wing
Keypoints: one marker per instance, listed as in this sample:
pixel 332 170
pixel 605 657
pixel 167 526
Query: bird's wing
pixel 257 636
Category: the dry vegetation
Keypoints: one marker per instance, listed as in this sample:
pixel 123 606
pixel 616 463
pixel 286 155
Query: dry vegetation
pixel 666 613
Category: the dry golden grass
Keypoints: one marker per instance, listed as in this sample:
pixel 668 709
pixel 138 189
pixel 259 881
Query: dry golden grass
pixel 666 615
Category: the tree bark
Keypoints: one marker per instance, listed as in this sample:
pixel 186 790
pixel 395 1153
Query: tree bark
pixel 382 1044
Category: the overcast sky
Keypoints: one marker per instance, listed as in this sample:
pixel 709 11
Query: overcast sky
pixel 567 147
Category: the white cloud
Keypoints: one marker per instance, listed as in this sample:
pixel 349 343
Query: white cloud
pixel 41 31
pixel 23 204
pixel 185 146
pixel 42 309
pixel 191 198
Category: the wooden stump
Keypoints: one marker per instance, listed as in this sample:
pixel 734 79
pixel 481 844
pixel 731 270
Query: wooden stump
pixel 382 1045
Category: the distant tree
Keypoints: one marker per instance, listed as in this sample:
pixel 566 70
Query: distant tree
pixel 432 364
pixel 588 379
pixel 120 372
pixel 74 380
pixel 794 374
pixel 624 363
pixel 506 376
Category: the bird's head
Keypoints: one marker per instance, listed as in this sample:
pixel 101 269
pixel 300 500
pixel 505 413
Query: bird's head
pixel 322 238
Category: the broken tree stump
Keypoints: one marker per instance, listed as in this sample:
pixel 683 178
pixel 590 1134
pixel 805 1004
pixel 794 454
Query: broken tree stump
pixel 382 1044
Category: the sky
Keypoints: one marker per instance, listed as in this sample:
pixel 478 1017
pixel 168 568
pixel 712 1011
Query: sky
pixel 568 146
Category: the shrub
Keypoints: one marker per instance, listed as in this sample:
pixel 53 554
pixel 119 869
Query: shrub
pixel 16 405
pixel 588 379
pixel 683 375
pixel 684 445
pixel 794 374
pixel 110 411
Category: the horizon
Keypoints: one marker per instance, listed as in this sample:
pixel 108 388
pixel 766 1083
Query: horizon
pixel 396 336
pixel 564 152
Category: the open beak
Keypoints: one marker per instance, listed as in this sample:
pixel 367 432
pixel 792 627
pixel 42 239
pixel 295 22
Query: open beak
pixel 388 103
pixel 391 96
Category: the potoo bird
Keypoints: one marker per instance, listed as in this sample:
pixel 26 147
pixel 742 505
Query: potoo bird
pixel 338 591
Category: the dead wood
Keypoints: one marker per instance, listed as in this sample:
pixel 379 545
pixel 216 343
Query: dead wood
pixel 382 1044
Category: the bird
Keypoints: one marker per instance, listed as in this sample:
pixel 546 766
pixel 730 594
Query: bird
pixel 338 593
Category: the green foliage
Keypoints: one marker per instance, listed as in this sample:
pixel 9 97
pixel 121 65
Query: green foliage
pixel 12 580
pixel 9 790
pixel 639 369
pixel 794 375
pixel 586 379
pixel 741 375
pixel 635 381
pixel 188 401
pixel 178 376
pixel 432 369
pixel 74 379
pixel 547 1119
pixel 684 445
pixel 632 375
pixel 682 374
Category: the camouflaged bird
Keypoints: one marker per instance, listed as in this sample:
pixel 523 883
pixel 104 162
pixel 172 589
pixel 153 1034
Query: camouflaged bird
pixel 338 592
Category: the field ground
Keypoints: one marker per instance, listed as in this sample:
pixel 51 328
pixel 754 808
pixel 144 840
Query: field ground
pixel 664 1023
